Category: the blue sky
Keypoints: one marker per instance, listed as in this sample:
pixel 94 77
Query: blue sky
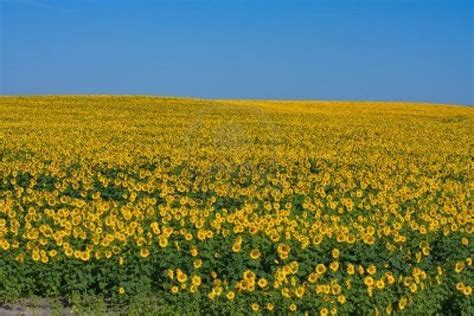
pixel 296 49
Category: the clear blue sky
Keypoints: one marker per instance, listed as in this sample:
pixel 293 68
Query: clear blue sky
pixel 371 50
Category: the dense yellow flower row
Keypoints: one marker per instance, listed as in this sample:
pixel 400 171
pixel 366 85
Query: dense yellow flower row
pixel 111 178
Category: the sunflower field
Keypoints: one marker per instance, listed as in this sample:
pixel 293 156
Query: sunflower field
pixel 239 206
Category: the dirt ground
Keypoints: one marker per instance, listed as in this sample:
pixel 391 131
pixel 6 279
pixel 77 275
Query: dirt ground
pixel 33 308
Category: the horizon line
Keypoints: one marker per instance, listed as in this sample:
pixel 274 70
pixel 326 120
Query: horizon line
pixel 234 99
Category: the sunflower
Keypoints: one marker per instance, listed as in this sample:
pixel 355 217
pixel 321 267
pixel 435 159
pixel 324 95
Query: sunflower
pixel 262 282
pixel 292 307
pixel 230 295
pixel 255 307
pixel 320 269
pixel 144 253
pixel 255 254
